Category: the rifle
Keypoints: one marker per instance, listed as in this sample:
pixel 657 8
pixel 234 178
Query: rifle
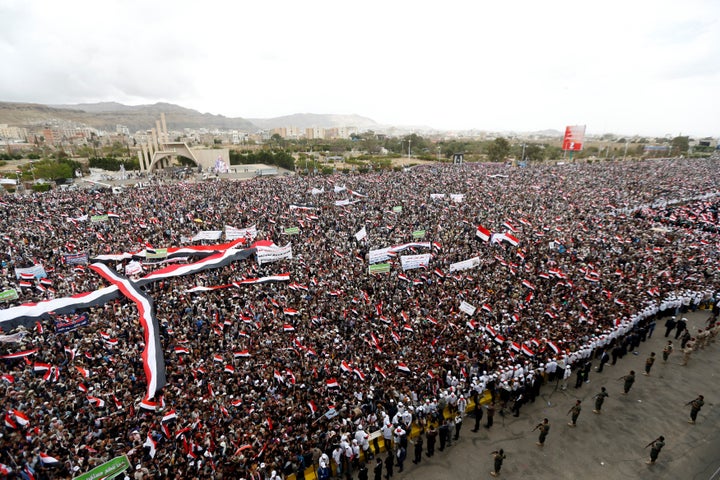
pixel 651 443
pixel 690 402
pixel 536 427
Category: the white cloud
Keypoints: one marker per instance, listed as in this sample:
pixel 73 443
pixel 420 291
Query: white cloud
pixel 633 67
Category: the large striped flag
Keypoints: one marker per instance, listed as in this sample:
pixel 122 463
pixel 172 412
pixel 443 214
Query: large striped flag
pixel 152 355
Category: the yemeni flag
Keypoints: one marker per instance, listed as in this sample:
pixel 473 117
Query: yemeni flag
pixel 236 402
pixel 359 374
pixel 7 378
pixel 403 368
pixel 242 354
pixel 41 367
pixel 380 371
pixel 96 402
pixel 148 404
pixel 553 347
pixel 483 233
pixel 288 328
pixel 527 351
pixel 22 354
pixel 229 369
pixel 313 408
pixel 152 446
pixel 20 417
pixel 170 415
pixel 48 461
pixel 10 422
pixel 152 355
pixel 345 367
pixel 290 311
pixel 181 351
pixel 332 383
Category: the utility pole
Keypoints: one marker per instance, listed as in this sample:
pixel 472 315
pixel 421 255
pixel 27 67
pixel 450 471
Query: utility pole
pixel 409 143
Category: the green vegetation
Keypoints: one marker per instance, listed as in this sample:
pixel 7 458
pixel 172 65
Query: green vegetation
pixel 279 158
pixel 113 164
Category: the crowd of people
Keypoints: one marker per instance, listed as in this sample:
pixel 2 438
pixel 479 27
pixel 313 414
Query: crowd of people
pixel 271 377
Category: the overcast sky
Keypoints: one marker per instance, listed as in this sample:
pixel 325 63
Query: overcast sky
pixel 630 67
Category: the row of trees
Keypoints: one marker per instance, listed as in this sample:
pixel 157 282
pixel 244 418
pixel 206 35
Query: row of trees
pixel 280 158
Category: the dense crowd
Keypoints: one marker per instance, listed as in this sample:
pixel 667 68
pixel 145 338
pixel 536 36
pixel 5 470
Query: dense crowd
pixel 270 376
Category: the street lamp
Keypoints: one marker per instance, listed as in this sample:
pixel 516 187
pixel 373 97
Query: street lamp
pixel 409 143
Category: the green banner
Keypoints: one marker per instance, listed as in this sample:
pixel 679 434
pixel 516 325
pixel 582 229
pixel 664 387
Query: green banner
pixel 418 234
pixel 292 231
pixel 10 294
pixel 379 268
pixel 397 209
pixel 107 470
pixel 99 218
pixel 159 253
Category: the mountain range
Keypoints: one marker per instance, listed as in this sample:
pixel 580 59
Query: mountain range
pixel 107 115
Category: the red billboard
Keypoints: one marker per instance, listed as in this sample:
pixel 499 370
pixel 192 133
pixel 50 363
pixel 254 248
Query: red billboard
pixel 574 137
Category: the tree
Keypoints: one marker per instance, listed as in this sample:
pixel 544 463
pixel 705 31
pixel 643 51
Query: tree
pixel 498 150
pixel 534 152
pixel 679 145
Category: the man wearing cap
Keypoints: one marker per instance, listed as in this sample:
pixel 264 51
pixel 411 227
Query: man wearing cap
pixel 681 325
pixel 458 425
pixel 669 325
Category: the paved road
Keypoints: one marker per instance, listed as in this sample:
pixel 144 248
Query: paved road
pixel 610 445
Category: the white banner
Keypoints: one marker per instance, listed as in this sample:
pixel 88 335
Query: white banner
pixel 273 254
pixel 317 191
pixel 383 254
pixel 410 262
pixel 133 268
pixel 362 233
pixel 232 233
pixel 467 308
pixel 337 189
pixel 37 271
pixel 342 203
pixel 465 264
pixel 457 197
pixel 380 255
pixel 436 196
pixel 207 235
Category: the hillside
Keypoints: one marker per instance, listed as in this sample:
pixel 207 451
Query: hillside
pixel 309 120
pixel 105 116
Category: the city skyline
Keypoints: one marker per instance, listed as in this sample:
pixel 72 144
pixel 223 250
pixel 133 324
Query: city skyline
pixel 645 68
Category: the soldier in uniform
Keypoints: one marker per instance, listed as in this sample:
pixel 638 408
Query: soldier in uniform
pixel 544 428
pixel 656 446
pixel 599 399
pixel 575 410
pixel 498 457
pixel 629 379
pixel 696 405
pixel 667 350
